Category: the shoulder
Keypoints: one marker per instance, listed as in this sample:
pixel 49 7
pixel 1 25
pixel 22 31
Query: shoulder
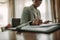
pixel 26 8
pixel 29 8
pixel 26 11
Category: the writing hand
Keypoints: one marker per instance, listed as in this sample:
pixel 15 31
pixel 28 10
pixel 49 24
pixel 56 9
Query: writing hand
pixel 37 22
pixel 47 22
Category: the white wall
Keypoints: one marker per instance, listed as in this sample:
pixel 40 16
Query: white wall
pixel 19 4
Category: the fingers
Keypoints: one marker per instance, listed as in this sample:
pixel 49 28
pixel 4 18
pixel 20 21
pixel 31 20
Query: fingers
pixel 47 22
pixel 37 22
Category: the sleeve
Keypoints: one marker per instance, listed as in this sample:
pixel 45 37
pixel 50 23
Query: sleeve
pixel 25 15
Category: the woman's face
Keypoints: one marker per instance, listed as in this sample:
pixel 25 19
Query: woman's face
pixel 37 3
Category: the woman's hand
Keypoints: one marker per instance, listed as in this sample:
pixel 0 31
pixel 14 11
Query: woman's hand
pixel 36 21
pixel 47 22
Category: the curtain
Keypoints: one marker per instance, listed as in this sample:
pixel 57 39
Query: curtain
pixel 19 5
pixel 11 10
pixel 3 13
pixel 55 6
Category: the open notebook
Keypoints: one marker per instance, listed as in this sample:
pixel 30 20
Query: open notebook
pixel 42 27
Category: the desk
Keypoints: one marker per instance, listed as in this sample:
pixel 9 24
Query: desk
pixel 46 29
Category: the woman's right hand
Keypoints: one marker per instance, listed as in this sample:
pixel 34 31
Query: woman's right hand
pixel 36 22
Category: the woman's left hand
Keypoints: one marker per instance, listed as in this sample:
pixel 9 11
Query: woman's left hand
pixel 46 22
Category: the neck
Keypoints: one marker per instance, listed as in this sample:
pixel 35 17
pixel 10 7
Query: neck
pixel 35 7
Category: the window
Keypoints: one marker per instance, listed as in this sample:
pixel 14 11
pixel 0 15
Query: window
pixel 3 13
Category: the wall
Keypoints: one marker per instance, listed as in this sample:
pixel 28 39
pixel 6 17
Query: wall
pixel 19 4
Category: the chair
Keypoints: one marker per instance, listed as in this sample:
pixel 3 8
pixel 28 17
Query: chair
pixel 15 22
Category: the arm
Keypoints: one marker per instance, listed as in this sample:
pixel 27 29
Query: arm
pixel 25 15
